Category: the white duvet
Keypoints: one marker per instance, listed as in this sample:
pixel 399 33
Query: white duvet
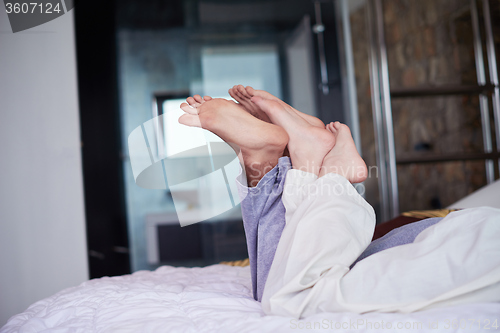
pixel 215 299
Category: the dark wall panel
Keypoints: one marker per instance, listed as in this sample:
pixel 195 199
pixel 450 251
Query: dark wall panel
pixel 101 144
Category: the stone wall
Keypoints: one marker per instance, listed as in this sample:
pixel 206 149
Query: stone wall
pixel 429 43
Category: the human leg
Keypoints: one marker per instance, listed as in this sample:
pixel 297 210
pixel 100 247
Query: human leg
pixel 328 225
pixel 263 216
pixel 262 209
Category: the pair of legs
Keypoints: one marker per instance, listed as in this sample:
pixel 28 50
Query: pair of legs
pixel 260 144
pixel 328 226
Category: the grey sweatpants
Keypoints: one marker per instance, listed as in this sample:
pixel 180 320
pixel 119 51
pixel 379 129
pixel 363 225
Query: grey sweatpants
pixel 264 219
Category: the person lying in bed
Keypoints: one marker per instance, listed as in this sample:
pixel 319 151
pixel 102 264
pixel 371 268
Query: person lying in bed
pixel 308 230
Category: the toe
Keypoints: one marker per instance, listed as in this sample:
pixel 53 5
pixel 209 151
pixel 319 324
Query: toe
pixel 250 91
pixel 330 127
pixel 188 109
pixel 262 93
pixel 190 120
pixel 240 95
pixel 234 94
pixel 243 92
pixel 198 99
pixel 207 98
pixel 342 127
pixel 191 101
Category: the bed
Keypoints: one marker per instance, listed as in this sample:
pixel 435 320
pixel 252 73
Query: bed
pixel 218 298
pixel 215 298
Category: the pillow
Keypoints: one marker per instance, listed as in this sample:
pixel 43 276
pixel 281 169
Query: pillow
pixel 488 195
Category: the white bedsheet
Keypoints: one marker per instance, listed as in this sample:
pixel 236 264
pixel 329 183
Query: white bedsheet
pixel 214 299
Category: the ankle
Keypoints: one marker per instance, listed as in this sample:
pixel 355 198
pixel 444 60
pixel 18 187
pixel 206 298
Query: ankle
pixel 255 171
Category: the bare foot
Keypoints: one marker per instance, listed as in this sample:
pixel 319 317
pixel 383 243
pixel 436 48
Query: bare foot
pixel 244 101
pixel 344 159
pixel 308 144
pixel 197 100
pixel 249 92
pixel 258 144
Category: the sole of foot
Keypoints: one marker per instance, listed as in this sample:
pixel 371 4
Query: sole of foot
pixel 261 144
pixel 344 158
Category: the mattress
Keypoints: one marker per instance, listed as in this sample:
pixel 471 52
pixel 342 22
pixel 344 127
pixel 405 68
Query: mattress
pixel 215 298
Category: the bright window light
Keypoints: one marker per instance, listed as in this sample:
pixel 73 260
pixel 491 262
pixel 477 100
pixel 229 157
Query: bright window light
pixel 180 138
